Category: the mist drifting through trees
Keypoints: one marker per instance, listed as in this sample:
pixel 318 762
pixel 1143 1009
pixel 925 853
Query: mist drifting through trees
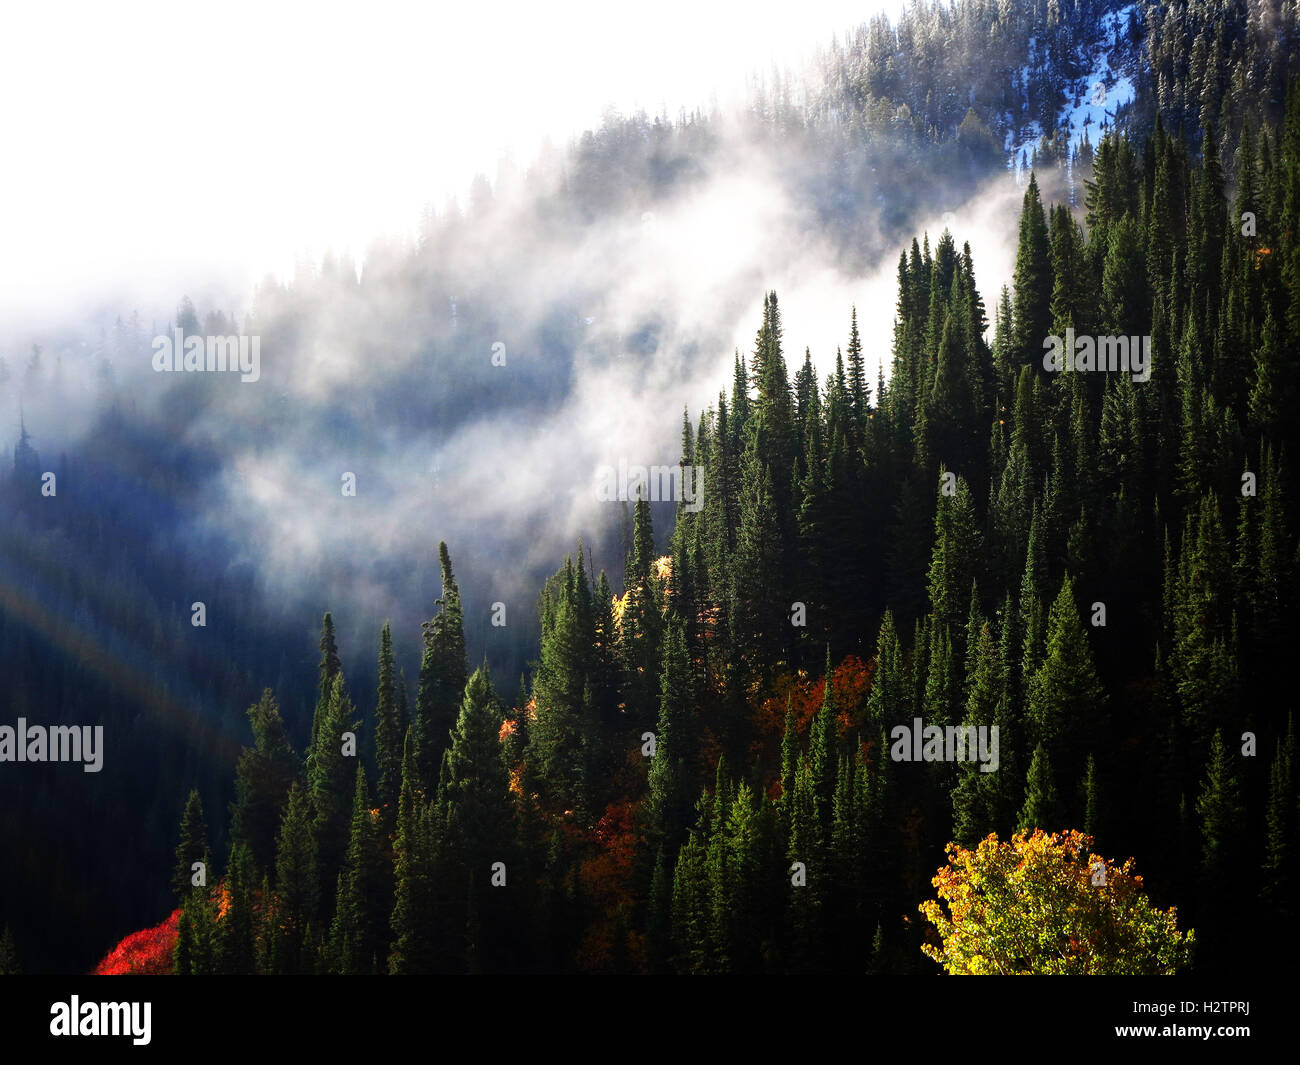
pixel 388 686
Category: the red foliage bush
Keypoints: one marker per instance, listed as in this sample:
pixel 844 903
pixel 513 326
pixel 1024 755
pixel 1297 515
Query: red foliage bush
pixel 144 953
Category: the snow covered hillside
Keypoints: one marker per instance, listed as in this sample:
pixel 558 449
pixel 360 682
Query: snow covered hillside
pixel 1096 100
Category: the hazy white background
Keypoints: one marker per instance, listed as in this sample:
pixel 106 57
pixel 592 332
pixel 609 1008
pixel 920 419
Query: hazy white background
pixel 167 147
pixel 159 150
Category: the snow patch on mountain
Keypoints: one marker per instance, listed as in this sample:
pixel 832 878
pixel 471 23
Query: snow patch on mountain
pixel 1096 100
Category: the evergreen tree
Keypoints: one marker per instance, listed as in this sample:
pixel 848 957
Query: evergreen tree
pixel 193 847
pixel 388 730
pixel 1280 821
pixel 668 785
pixel 1041 809
pixel 235 949
pixel 412 948
pixel 659 916
pixel 1032 279
pixel 196 943
pixel 327 783
pixel 560 736
pixel 442 676
pixel 479 811
pixel 330 665
pixel 1222 815
pixel 1065 701
pixel 355 934
pixel 263 776
pixel 296 885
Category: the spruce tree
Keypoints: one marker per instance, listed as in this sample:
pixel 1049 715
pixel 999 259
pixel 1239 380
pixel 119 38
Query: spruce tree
pixel 235 943
pixel 328 785
pixel 330 665
pixel 192 848
pixel 1280 820
pixel 859 390
pixel 691 912
pixel 480 813
pixel 296 885
pixel 412 948
pixel 659 916
pixel 388 731
pixel 1221 811
pixel 1041 809
pixel 668 785
pixel 355 933
pixel 1065 701
pixel 263 776
pixel 442 676
pixel 1032 279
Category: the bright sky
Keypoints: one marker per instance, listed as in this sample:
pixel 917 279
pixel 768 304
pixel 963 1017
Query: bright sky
pixel 156 143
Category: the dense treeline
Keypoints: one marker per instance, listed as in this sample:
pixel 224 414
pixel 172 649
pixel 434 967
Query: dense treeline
pixel 1103 568
pixel 1008 66
pixel 824 501
pixel 96 587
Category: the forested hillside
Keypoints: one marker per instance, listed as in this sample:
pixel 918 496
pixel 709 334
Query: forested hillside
pixel 688 761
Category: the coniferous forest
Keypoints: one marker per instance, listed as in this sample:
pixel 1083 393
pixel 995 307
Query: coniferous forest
pixel 721 740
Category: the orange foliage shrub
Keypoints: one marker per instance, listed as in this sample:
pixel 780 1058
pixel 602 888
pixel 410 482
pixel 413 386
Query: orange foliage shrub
pixel 606 880
pixel 850 685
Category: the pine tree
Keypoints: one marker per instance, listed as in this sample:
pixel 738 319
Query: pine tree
pixel 691 912
pixel 1222 815
pixel 859 390
pixel 808 846
pixel 235 954
pixel 641 630
pixel 668 786
pixel 442 676
pixel 263 776
pixel 480 813
pixel 823 752
pixel 659 916
pixel 192 848
pixel 412 949
pixel 760 622
pixel 887 703
pixel 1032 587
pixel 735 876
pixel 1065 701
pixel 1032 279
pixel 848 847
pixel 355 932
pixel 327 783
pixel 196 944
pixel 953 565
pixel 975 797
pixel 330 666
pixel 559 736
pixel 388 733
pixel 296 884
pixel 1041 809
pixel 1280 821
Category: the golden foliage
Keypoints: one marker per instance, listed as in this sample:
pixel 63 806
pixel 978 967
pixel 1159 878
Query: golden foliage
pixel 1045 904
